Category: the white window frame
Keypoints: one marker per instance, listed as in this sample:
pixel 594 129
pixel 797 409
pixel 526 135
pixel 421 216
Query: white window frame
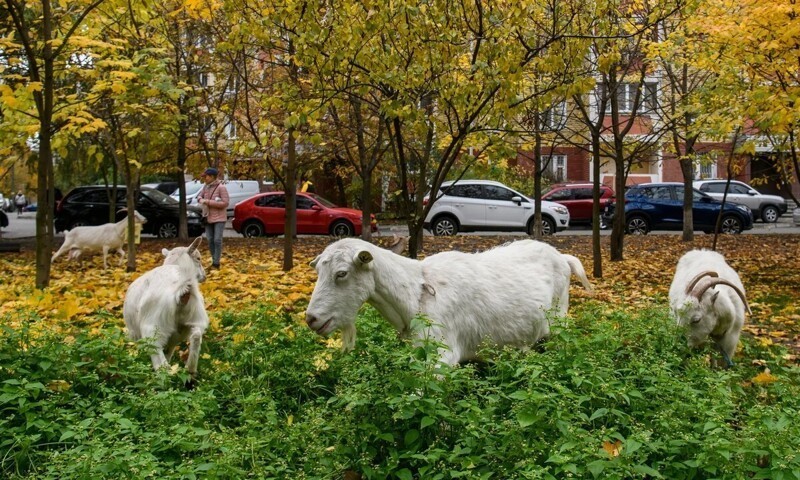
pixel 557 166
pixel 230 129
pixel 705 168
pixel 555 117
pixel 626 93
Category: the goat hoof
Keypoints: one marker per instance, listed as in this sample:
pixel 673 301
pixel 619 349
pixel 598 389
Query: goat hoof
pixel 190 384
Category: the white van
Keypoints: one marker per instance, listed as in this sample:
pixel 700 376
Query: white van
pixel 238 190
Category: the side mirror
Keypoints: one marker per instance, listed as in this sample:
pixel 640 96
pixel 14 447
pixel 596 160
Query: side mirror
pixel 316 207
pixel 517 200
pixel 752 192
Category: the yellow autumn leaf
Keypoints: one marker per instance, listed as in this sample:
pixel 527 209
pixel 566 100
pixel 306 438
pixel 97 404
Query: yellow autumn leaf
pixel 612 449
pixel 765 378
pixel 58 386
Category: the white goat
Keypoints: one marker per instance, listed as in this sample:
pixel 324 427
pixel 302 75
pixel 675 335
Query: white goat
pixel 708 297
pixel 165 305
pixel 100 237
pixel 502 295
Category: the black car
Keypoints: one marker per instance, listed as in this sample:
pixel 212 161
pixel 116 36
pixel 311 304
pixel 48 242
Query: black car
pixel 659 206
pixel 89 205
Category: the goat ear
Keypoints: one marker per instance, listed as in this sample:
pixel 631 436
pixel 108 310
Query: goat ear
pixel 195 244
pixel 164 252
pixel 363 258
pixel 714 297
pixel 314 262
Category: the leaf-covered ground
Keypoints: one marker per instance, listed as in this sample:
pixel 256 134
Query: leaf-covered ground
pixel 768 264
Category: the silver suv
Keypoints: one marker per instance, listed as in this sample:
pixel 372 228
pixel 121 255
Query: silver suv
pixel 766 207
pixel 485 205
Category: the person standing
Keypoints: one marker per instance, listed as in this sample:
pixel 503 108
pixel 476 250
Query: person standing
pixel 20 201
pixel 213 200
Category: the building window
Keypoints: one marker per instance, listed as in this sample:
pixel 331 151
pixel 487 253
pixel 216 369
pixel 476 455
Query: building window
pixel 230 129
pixel 555 117
pixel 626 95
pixel 705 167
pixel 557 166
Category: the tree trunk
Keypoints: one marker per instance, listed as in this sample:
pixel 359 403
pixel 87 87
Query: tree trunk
pixel 537 180
pixel 618 229
pixel 688 198
pixel 183 227
pixel 366 206
pixel 597 257
pixel 290 226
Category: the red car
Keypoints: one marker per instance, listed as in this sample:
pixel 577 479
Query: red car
pixel 264 214
pixel 577 197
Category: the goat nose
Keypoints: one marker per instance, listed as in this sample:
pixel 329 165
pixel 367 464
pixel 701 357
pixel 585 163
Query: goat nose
pixel 310 319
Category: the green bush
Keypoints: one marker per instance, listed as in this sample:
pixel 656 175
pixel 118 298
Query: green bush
pixel 609 395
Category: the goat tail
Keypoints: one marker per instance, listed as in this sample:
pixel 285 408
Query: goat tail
pixel 576 267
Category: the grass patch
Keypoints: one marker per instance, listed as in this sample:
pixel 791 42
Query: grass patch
pixel 609 395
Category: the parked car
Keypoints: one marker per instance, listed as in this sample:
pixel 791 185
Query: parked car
pixel 30 207
pixel 264 214
pixel 659 206
pixel 238 190
pixel 163 187
pixel 766 207
pixel 486 205
pixel 5 204
pixel 89 205
pixel 578 199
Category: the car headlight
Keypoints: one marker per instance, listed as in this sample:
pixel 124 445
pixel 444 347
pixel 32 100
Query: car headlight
pixel 561 210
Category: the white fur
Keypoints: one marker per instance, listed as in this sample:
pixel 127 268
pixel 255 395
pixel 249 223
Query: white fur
pixel 100 237
pixel 165 305
pixel 502 295
pixel 719 313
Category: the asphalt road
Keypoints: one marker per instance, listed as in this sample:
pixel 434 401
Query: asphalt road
pixel 25 227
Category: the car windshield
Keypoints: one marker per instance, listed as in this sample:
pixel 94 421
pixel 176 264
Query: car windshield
pixel 324 201
pixel 159 198
pixel 191 189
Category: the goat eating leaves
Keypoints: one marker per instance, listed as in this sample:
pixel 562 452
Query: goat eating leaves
pixel 166 306
pixel 502 295
pixel 708 298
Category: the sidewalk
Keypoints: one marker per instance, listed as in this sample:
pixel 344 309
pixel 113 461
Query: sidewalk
pixel 25 227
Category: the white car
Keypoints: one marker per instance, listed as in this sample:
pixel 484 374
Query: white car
pixel 238 190
pixel 486 205
pixel 766 207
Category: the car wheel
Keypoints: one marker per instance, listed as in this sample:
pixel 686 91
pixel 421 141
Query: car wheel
pixel 445 226
pixel 342 228
pixel 253 228
pixel 548 226
pixel 731 224
pixel 167 230
pixel 770 214
pixel 637 225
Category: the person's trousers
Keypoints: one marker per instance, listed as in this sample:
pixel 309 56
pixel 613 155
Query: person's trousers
pixel 214 237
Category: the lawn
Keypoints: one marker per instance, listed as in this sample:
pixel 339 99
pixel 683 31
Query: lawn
pixel 614 393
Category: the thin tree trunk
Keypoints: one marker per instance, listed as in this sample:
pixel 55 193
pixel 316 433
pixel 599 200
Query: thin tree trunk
pixel 597 257
pixel 290 226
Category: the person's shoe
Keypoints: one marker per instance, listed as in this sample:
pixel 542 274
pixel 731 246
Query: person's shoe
pixel 215 266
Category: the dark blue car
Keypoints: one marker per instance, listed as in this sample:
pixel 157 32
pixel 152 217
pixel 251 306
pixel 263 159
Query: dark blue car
pixel 659 206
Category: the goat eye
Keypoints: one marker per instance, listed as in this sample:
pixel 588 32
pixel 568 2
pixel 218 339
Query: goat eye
pixel 341 274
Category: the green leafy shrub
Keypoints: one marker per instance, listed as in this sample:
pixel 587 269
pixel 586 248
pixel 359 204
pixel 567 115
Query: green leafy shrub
pixel 609 395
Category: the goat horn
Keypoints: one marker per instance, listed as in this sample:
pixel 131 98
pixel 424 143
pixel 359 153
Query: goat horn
pixel 690 287
pixel 195 244
pixel 712 282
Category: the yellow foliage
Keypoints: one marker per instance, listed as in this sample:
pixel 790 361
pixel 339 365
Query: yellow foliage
pixel 765 378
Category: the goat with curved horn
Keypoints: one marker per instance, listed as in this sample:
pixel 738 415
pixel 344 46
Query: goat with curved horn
pixel 697 278
pixel 706 283
pixel 719 316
